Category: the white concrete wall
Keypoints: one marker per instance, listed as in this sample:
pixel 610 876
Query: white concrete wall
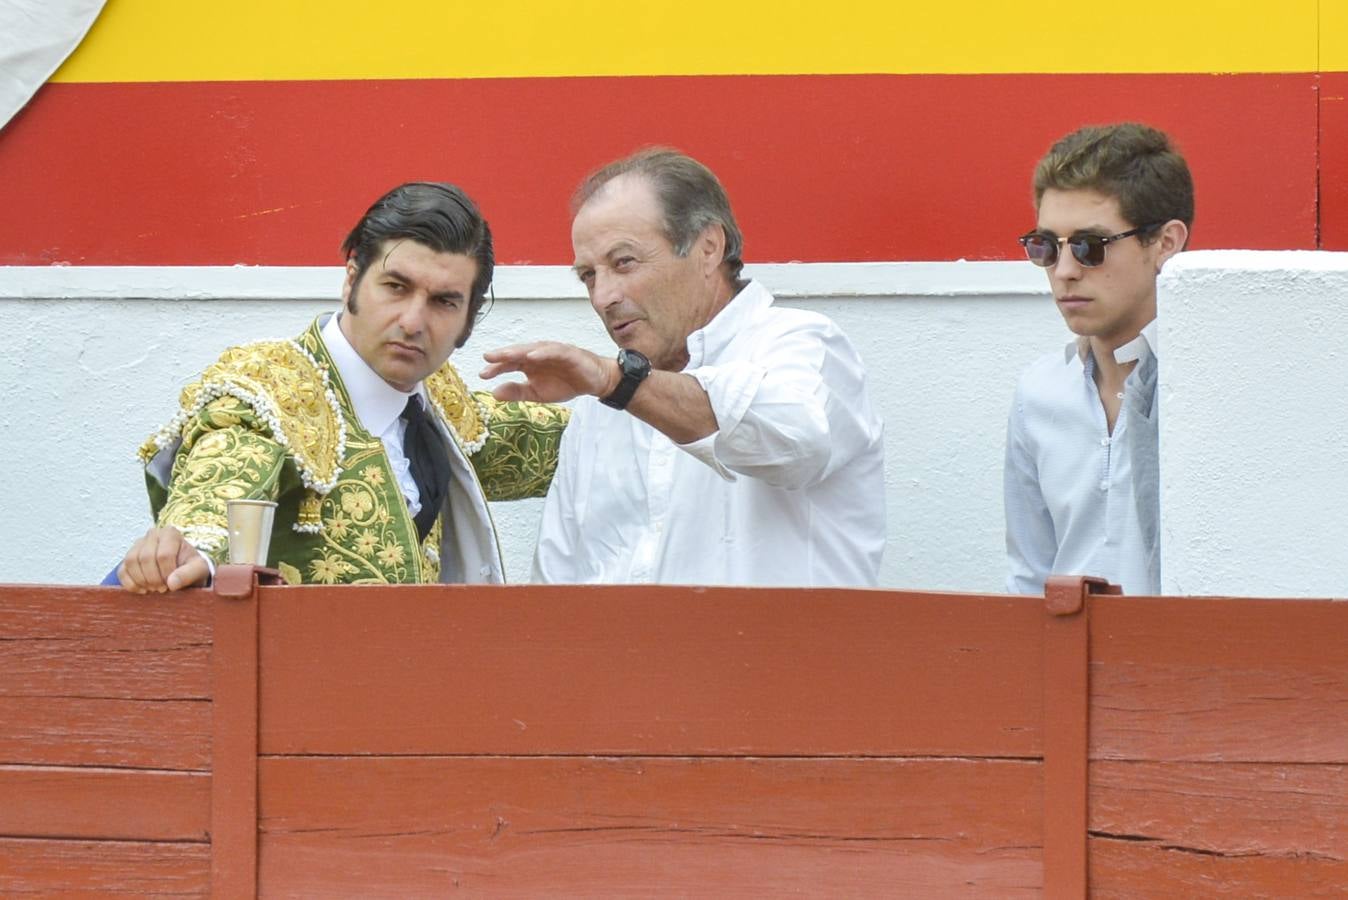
pixel 1254 424
pixel 91 361
pixel 1254 401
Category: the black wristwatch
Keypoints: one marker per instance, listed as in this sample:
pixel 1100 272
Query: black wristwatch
pixel 634 368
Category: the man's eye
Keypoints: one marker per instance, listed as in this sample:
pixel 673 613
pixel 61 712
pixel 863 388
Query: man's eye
pixel 586 277
pixel 623 263
pixel 394 286
pixel 451 302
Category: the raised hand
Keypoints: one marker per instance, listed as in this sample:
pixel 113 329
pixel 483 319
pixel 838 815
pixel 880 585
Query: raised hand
pixel 555 372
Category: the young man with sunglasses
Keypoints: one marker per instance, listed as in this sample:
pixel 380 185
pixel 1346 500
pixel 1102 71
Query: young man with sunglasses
pixel 1113 204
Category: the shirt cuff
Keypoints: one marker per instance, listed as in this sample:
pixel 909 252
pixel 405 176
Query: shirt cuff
pixel 704 450
pixel 730 389
pixel 210 566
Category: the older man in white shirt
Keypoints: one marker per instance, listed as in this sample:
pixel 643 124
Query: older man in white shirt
pixel 732 441
pixel 1114 203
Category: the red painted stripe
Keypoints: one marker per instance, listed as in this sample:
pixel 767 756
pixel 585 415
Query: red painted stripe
pixel 1334 161
pixel 821 168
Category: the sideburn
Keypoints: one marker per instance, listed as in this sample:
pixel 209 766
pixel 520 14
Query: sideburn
pixel 355 289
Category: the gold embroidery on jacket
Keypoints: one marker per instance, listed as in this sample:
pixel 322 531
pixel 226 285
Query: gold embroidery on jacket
pixel 287 389
pixel 266 421
pixel 520 455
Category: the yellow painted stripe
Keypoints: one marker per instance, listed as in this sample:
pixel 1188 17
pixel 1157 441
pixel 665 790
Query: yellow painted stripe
pixel 243 40
pixel 1333 36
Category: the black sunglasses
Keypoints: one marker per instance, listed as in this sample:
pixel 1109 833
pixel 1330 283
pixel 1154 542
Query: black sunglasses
pixel 1089 249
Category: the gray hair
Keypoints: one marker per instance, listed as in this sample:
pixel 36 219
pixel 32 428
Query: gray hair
pixel 690 196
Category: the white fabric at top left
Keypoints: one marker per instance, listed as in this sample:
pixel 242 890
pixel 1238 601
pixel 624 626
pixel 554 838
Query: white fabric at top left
pixel 36 36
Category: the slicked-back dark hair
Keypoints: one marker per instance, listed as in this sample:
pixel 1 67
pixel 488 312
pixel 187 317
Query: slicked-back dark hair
pixel 437 214
pixel 690 197
pixel 1135 164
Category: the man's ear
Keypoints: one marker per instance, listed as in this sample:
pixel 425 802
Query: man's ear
pixel 1174 235
pixel 710 248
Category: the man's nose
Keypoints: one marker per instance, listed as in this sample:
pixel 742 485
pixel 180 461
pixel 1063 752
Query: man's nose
pixel 1067 265
pixel 412 315
pixel 605 291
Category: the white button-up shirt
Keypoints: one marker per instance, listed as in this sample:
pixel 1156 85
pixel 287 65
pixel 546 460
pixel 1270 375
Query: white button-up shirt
pixel 1080 500
pixel 469 551
pixel 788 491
pixel 378 406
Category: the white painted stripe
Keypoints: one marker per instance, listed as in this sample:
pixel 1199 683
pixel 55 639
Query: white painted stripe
pixel 785 280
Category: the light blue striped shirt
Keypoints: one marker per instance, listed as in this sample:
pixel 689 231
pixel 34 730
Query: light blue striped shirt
pixel 1079 500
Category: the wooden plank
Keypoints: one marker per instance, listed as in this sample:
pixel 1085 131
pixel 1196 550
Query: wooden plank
pixel 1219 679
pixel 577 826
pixel 90 868
pixel 1225 809
pixel 648 670
pixel 1134 870
pixel 145 734
pixel 121 804
pixel 102 643
pixel 234 680
pixel 1066 687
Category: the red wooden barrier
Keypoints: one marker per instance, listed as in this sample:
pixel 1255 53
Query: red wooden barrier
pixel 527 741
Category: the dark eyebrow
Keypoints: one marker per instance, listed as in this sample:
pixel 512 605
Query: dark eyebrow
pixel 403 279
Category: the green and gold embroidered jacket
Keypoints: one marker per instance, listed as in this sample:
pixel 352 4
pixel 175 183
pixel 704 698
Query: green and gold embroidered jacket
pixel 272 421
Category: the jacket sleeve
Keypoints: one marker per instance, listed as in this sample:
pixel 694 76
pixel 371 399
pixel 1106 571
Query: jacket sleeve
pixel 519 456
pixel 226 454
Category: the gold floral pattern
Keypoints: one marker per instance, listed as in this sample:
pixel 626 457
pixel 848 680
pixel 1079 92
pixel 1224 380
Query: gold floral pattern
pixel 458 407
pixel 520 454
pixel 218 464
pixel 271 421
pixel 285 389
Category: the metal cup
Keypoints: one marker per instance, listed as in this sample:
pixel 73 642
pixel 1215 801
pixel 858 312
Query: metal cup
pixel 249 531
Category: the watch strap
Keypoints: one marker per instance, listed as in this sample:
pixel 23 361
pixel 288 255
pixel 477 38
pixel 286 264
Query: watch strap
pixel 634 368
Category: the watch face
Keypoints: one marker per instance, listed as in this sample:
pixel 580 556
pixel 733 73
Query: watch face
pixel 633 363
pixel 634 367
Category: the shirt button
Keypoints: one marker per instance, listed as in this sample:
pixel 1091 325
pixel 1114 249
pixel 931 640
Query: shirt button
pixel 1104 442
pixel 1104 485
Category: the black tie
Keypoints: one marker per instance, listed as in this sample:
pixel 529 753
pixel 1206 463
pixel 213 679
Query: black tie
pixel 429 462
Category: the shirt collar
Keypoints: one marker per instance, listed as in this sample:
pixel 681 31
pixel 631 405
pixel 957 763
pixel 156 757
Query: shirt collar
pixel 375 402
pixel 712 338
pixel 1139 348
